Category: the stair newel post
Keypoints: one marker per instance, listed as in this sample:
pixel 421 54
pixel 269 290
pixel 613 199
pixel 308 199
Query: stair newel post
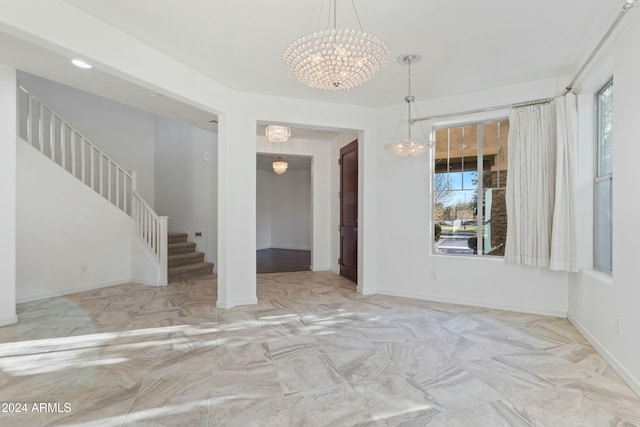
pixel 164 249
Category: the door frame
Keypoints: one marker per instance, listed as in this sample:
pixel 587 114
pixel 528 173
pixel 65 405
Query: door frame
pixel 349 272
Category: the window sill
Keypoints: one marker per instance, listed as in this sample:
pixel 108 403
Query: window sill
pixel 601 277
pixel 435 253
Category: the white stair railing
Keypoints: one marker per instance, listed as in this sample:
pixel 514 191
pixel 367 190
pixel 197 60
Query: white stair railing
pixel 45 130
pixel 151 228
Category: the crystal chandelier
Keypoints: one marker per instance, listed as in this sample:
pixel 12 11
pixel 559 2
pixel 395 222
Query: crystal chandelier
pixel 280 166
pixel 277 133
pixel 336 59
pixel 410 146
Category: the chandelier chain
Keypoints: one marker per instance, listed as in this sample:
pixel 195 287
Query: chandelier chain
pixel 357 16
pixel 320 16
pixel 335 14
pixel 409 99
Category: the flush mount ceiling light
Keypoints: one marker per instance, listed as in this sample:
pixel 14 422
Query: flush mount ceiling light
pixel 280 166
pixel 410 146
pixel 336 58
pixel 80 63
pixel 277 133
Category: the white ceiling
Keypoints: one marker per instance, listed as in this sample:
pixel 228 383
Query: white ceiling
pixel 466 45
pixel 33 59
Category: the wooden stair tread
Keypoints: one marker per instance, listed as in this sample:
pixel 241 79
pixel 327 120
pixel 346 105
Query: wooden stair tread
pixel 184 256
pixel 176 234
pixel 190 267
pixel 180 245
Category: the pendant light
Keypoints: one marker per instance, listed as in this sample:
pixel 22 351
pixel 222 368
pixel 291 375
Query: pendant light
pixel 280 166
pixel 337 58
pixel 277 133
pixel 410 146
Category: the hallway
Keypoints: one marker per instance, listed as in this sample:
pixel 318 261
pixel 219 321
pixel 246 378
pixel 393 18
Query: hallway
pixel 282 260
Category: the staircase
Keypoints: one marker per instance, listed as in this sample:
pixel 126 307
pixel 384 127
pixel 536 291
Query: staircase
pixel 46 131
pixel 183 260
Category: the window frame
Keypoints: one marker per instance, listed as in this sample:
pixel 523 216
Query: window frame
pixel 599 177
pixel 497 116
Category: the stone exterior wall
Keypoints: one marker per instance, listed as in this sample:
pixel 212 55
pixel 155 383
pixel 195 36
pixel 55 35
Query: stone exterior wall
pixel 498 212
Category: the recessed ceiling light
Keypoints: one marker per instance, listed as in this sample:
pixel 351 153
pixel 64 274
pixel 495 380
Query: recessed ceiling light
pixel 80 63
pixel 155 95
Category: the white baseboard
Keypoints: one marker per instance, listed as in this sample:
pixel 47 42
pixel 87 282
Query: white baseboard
pixel 327 268
pixel 291 248
pixel 612 361
pixel 231 304
pixel 472 303
pixel 144 282
pixel 67 291
pixel 9 321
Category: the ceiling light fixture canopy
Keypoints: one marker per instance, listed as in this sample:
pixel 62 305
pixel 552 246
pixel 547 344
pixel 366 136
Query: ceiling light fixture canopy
pixel 336 58
pixel 410 146
pixel 277 133
pixel 280 166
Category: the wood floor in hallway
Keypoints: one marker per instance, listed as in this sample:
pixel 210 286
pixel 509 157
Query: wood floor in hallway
pixel 282 260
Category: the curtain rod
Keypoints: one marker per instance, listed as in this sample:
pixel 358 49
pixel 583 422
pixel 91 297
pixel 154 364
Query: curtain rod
pixel 628 5
pixel 482 110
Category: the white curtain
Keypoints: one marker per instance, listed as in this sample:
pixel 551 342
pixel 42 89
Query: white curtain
pixel 530 185
pixel 563 240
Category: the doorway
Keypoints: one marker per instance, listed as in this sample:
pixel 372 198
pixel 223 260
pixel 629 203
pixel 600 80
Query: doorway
pixel 348 260
pixel 283 213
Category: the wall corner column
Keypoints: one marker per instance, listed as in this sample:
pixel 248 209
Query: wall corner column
pixel 237 208
pixel 7 195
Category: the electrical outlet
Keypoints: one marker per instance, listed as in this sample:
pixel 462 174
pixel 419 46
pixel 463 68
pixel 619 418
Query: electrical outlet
pixel 619 325
pixel 198 234
pixel 434 275
pixel 84 268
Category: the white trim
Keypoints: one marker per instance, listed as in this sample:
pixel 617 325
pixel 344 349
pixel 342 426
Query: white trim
pixel 9 321
pixel 68 291
pixel 601 277
pixel 324 268
pixel 459 301
pixel 146 283
pixel 291 248
pixel 360 289
pixel 248 301
pixel 631 381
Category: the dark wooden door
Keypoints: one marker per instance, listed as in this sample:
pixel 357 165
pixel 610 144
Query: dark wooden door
pixel 349 212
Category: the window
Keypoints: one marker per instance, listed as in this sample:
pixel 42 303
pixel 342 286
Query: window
pixel 469 187
pixel 603 259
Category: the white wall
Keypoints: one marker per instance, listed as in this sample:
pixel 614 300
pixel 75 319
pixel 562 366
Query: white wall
pixel 406 264
pixel 124 133
pixel 70 238
pixel 289 215
pixel 186 184
pixel 263 209
pixel 595 299
pixel 321 151
pixel 291 210
pixel 7 195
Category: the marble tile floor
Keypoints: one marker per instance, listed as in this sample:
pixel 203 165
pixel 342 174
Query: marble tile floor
pixel 312 352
